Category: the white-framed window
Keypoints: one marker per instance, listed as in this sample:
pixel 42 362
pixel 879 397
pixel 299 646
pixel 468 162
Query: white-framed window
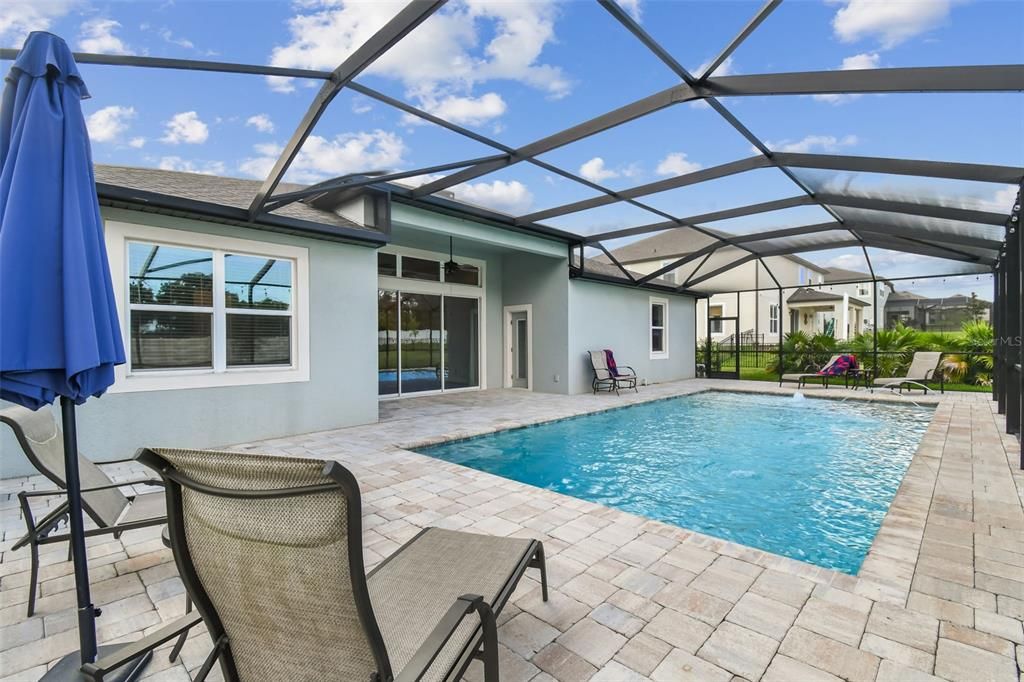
pixel 773 318
pixel 200 310
pixel 428 267
pixel 714 312
pixel 863 289
pixel 659 328
pixel 669 276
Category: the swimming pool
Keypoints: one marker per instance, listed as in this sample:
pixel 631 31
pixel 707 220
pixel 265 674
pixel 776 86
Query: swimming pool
pixel 809 479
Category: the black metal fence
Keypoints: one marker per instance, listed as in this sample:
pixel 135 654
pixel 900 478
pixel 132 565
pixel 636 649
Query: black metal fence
pixel 762 361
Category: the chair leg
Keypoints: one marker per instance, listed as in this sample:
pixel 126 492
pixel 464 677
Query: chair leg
pixel 33 577
pixel 490 644
pixel 538 562
pixel 183 636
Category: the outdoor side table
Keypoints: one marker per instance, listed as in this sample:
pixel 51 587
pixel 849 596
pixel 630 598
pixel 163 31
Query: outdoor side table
pixel 862 376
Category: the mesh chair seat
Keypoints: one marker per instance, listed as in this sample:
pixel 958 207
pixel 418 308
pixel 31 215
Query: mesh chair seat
pixel 414 588
pixel 146 507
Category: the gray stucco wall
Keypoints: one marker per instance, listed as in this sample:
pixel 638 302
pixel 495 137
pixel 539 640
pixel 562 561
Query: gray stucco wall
pixel 341 391
pixel 542 282
pixel 606 316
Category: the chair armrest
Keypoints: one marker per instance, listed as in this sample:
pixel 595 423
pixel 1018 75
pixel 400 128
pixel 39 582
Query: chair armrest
pixel 117 461
pixel 133 650
pixel 443 631
pixel 622 367
pixel 63 491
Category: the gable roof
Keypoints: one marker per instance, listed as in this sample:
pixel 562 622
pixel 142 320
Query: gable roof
pixel 222 199
pixel 807 295
pixel 676 242
pixel 844 275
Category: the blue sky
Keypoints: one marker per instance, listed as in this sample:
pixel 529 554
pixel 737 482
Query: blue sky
pixel 520 71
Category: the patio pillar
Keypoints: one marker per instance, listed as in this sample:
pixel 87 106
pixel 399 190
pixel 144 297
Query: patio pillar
pixel 844 322
pixel 874 327
pixel 781 369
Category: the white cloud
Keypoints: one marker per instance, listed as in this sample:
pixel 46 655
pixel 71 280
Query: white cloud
pixel 261 122
pixel 322 158
pixel 676 163
pixel 98 36
pixel 726 68
pixel 185 127
pixel 466 110
pixel 824 143
pixel 361 105
pixel 176 163
pixel 866 60
pixel 169 37
pixel 1001 201
pixel 107 124
pixel 18 19
pixel 891 23
pixel 595 170
pixel 633 8
pixel 137 142
pixel 509 197
pixel 440 63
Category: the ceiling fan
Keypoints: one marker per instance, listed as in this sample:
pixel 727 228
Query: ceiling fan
pixel 451 266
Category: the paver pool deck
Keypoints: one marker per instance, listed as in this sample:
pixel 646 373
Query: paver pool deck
pixel 940 595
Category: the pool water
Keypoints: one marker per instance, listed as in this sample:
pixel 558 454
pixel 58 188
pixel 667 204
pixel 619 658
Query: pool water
pixel 809 479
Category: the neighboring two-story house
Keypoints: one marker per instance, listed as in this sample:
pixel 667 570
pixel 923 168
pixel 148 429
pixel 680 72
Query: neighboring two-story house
pixel 831 298
pixel 935 314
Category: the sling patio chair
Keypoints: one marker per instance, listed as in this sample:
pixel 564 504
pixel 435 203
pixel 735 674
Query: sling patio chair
pixel 824 373
pixel 42 441
pixel 270 550
pixel 609 376
pixel 924 367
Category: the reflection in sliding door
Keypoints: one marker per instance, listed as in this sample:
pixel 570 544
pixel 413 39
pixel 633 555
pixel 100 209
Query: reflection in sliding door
pixel 421 342
pixel 387 342
pixel 461 342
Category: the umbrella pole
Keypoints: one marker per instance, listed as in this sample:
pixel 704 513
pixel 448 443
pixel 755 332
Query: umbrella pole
pixel 68 669
pixel 86 611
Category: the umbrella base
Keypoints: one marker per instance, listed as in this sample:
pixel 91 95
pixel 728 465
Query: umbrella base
pixel 69 668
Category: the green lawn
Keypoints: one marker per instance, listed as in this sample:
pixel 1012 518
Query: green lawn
pixel 761 374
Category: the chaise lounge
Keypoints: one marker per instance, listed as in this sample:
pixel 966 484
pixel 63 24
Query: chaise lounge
pixel 923 368
pixel 42 441
pixel 270 550
pixel 837 366
pixel 607 375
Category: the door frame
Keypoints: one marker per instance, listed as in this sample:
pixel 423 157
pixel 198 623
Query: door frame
pixel 507 341
pixel 736 353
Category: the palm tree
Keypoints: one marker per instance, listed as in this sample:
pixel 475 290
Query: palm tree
pixel 895 347
pixel 974 363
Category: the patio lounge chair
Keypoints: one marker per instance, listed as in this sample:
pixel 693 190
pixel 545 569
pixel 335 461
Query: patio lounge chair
pixel 824 373
pixel 607 379
pixel 41 439
pixel 923 368
pixel 270 550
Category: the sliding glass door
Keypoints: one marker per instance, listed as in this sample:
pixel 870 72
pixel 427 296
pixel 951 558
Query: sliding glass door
pixel 426 342
pixel 420 328
pixel 461 342
pixel 387 342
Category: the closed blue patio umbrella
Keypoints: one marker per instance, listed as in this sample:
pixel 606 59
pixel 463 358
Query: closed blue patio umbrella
pixel 59 332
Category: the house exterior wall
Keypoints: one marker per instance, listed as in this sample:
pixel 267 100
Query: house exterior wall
pixel 340 391
pixel 543 283
pixel 603 316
